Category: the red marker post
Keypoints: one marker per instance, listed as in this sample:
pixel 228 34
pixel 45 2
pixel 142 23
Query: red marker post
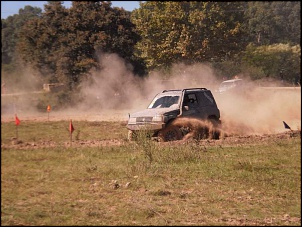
pixel 17 121
pixel 48 110
pixel 71 129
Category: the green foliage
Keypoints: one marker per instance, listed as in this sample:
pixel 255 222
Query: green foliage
pixel 10 33
pixel 280 61
pixel 67 43
pixel 273 22
pixel 64 45
pixel 187 31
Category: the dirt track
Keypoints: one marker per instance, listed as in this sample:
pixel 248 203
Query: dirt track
pixel 237 135
pixel 246 120
pixel 230 140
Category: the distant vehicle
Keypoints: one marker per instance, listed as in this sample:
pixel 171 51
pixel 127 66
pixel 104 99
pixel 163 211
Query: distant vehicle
pixel 169 105
pixel 231 85
pixel 55 87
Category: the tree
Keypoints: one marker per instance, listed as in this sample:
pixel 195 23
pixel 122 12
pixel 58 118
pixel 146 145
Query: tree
pixel 188 31
pixel 279 61
pixel 10 32
pixel 39 44
pixel 272 22
pixel 68 42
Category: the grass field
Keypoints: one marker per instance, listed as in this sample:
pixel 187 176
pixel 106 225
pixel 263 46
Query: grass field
pixel 102 179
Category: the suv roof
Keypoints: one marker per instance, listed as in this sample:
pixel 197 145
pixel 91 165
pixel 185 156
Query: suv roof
pixel 180 91
pixel 185 89
pixel 232 80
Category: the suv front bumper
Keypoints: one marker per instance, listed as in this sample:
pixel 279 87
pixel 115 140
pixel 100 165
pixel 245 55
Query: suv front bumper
pixel 150 126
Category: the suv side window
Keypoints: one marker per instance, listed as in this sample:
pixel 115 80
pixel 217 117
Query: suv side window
pixel 190 99
pixel 206 99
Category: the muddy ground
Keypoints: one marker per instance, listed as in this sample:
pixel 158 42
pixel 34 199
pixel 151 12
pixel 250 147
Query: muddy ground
pixel 226 139
pixel 232 140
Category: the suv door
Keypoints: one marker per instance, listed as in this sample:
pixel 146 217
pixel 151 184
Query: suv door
pixel 191 105
pixel 208 106
pixel 200 105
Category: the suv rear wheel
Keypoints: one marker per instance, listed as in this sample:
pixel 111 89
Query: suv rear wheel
pixel 214 132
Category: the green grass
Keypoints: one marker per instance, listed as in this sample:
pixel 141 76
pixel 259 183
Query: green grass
pixel 58 131
pixel 145 182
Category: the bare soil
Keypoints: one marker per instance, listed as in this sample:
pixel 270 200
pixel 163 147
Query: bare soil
pixel 228 140
pixel 232 133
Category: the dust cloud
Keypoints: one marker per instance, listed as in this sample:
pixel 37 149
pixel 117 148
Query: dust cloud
pixel 114 92
pixel 261 111
pixel 20 91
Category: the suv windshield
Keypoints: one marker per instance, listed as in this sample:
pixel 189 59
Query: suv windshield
pixel 163 102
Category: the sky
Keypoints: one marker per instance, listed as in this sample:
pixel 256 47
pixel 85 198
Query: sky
pixel 9 8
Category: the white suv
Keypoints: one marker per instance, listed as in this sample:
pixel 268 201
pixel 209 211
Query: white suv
pixel 228 85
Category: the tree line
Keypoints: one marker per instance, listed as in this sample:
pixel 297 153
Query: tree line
pixel 64 44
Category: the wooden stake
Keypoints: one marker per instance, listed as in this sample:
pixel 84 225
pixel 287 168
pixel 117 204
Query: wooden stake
pixel 17 132
pixel 70 138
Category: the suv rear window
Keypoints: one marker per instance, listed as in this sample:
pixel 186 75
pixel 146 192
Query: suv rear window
pixel 206 98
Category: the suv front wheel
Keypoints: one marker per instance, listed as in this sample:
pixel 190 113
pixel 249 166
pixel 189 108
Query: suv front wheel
pixel 169 133
pixel 131 135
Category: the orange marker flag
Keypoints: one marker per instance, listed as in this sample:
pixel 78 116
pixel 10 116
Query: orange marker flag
pixel 17 120
pixel 48 108
pixel 71 128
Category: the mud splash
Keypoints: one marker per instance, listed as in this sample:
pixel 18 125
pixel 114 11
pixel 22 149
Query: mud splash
pixel 193 128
